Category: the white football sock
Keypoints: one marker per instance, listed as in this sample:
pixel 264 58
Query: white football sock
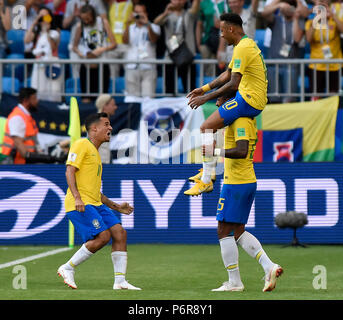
pixel 208 168
pixel 119 259
pixel 209 162
pixel 229 253
pixel 80 256
pixel 253 247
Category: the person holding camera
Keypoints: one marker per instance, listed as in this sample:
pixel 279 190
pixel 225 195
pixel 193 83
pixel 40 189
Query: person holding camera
pixel 93 38
pixel 141 37
pixel 179 28
pixel 45 37
pixel 70 20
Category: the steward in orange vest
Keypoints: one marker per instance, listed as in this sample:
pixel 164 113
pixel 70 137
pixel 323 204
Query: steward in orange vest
pixel 20 137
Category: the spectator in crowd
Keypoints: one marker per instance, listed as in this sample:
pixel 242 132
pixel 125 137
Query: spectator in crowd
pixel 105 103
pixel 46 78
pixel 119 13
pixel 20 143
pixel 58 8
pixel 70 21
pixel 207 31
pixel 141 38
pixel 337 8
pixel 93 37
pixel 32 9
pixel 325 44
pixel 5 25
pixel 179 25
pixel 248 16
pixel 287 42
pixel 304 13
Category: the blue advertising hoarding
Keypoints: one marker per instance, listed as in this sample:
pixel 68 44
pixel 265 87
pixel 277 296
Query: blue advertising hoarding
pixel 32 210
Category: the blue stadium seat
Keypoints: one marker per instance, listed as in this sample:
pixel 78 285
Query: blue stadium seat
pixel 306 83
pixel 18 68
pixel 8 82
pixel 159 85
pixel 16 40
pixel 63 52
pixel 259 39
pixel 70 88
pixel 119 85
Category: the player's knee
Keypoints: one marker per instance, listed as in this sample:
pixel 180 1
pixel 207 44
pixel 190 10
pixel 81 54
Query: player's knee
pixel 119 234
pixel 225 230
pixel 104 238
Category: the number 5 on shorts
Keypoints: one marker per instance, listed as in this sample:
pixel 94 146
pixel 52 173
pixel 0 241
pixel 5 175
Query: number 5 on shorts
pixel 221 204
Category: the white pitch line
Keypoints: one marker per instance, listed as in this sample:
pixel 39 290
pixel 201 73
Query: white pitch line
pixel 35 257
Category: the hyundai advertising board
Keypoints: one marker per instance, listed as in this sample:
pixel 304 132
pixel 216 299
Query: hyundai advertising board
pixel 32 203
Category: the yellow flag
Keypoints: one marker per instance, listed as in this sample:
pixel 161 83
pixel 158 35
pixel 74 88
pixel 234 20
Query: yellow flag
pixel 74 130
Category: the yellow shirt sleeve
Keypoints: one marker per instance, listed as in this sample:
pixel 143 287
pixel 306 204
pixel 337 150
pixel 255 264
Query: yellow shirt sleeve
pixel 239 60
pixel 240 129
pixel 76 154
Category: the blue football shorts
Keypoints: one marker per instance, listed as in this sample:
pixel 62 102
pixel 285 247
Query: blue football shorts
pixel 235 202
pixel 236 108
pixel 93 220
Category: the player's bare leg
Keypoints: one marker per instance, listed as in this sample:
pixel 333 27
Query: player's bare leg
pixel 67 270
pixel 119 258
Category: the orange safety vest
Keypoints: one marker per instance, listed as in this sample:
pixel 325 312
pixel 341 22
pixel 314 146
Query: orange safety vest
pixel 30 138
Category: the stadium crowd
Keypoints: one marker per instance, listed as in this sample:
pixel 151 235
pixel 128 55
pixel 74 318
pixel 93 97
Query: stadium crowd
pixel 136 30
pixel 142 29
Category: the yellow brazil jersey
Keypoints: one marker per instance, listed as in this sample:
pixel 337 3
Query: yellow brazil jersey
pixel 322 37
pixel 240 171
pixel 85 156
pixel 248 61
pixel 119 13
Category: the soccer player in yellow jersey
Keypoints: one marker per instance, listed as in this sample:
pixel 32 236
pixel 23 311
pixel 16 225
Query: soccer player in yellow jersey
pixel 236 198
pixel 89 210
pixel 242 89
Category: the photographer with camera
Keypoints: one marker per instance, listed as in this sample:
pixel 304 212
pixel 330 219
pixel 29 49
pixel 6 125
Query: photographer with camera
pixel 141 37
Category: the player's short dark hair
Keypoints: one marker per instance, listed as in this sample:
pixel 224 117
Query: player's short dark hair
pixel 94 118
pixel 232 18
pixel 26 93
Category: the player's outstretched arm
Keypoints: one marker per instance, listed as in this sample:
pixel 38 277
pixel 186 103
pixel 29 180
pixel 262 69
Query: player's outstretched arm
pixel 227 89
pixel 218 82
pixel 122 208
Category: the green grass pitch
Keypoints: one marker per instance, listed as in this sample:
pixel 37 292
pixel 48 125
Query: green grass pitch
pixel 174 272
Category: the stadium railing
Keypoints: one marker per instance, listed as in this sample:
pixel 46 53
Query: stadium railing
pixel 15 73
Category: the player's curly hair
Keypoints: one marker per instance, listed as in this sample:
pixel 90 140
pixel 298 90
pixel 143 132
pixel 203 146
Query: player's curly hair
pixel 94 118
pixel 232 18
